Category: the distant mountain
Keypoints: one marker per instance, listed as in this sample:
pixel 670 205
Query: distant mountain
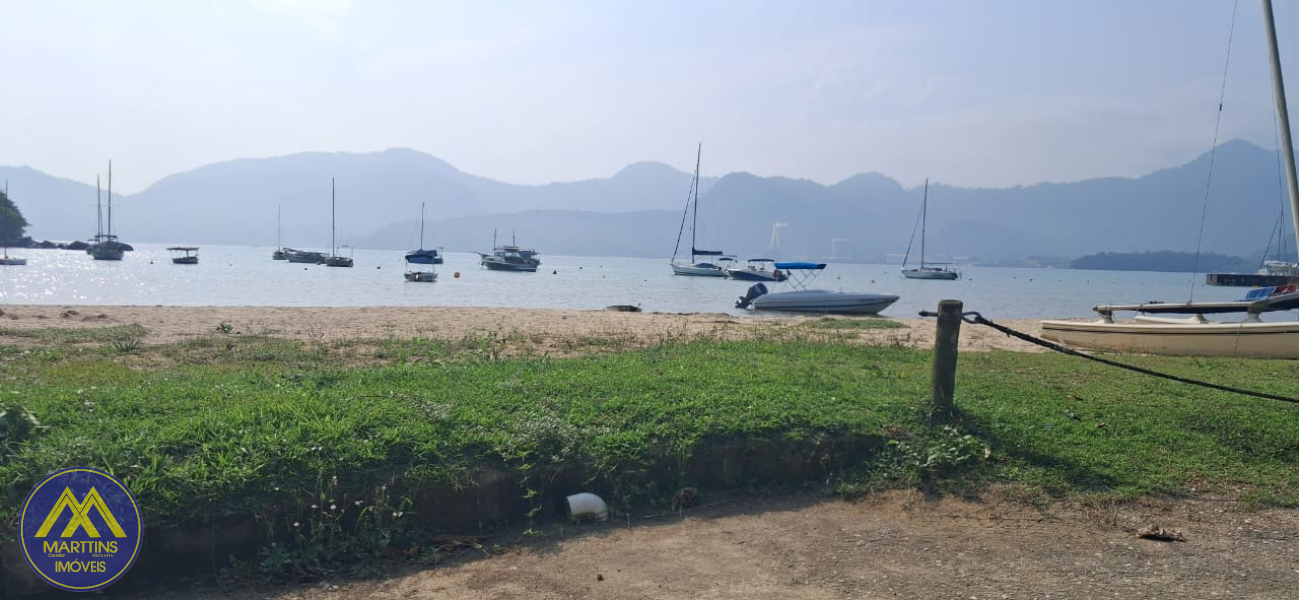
pixel 638 211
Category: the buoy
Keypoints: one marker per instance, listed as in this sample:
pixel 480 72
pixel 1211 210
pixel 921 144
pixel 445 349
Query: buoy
pixel 555 272
pixel 456 274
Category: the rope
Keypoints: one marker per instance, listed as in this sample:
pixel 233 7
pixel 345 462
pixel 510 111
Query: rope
pixel 1222 95
pixel 975 318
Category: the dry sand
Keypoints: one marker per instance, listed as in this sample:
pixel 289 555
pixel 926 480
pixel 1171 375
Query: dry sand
pixel 168 324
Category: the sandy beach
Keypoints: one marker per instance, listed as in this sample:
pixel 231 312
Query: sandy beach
pixel 169 324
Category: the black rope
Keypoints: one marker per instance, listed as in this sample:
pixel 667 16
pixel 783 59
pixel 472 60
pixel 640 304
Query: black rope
pixel 975 318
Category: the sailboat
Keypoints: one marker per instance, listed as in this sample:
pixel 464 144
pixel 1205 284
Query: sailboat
pixel 334 260
pixel 279 253
pixel 694 267
pixel 106 246
pixel 930 270
pixel 423 256
pixel 7 260
pixel 1196 335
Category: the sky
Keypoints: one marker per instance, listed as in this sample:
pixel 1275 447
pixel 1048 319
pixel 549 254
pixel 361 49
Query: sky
pixel 988 93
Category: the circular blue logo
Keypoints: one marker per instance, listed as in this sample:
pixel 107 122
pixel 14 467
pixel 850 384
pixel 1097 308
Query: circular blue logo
pixel 80 529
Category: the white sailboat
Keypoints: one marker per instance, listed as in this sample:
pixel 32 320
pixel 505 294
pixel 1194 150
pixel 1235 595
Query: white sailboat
pixel 334 260
pixel 1196 335
pixel 279 253
pixel 695 266
pixel 7 260
pixel 931 270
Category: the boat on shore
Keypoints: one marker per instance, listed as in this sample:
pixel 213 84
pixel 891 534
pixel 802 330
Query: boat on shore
pixel 804 300
pixel 1149 333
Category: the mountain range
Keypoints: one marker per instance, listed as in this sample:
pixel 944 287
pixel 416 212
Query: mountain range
pixel 639 210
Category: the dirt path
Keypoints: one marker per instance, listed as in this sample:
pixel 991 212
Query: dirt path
pixel 897 545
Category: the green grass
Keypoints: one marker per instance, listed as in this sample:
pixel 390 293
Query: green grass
pixel 223 426
pixel 77 335
pixel 839 323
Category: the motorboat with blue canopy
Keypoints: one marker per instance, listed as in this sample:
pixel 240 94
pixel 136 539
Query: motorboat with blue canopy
pixel 802 299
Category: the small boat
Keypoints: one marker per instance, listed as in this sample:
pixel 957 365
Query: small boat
pixel 931 270
pixel 334 259
pixel 184 255
pixel 1192 336
pixel 280 253
pixel 428 276
pixel 756 270
pixel 6 260
pixel 105 245
pixel 304 256
pixel 695 266
pixel 510 258
pixel 1250 337
pixel 801 299
pixel 423 256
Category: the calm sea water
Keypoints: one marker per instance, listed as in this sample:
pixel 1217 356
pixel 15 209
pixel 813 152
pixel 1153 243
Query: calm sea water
pixel 246 276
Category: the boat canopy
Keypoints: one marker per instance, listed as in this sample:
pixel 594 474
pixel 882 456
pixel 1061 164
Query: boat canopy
pixel 800 265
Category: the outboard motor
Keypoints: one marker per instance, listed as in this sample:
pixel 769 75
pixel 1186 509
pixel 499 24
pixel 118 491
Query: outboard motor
pixel 755 290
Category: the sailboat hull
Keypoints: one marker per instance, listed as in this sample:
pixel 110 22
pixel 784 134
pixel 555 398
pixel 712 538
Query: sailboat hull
pixel 697 269
pixel 421 276
pixel 1180 337
pixel 12 262
pixel 930 273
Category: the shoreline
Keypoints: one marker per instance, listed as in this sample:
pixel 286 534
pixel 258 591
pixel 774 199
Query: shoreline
pixel 170 324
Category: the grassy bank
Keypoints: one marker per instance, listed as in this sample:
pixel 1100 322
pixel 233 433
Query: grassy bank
pixel 335 443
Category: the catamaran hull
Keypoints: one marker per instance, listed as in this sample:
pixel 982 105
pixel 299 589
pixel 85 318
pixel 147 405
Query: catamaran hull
pixel 1184 338
pixel 824 301
pixel 930 274
pixel 185 260
pixel 698 271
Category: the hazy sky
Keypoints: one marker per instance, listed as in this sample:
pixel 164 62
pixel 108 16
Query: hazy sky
pixel 974 93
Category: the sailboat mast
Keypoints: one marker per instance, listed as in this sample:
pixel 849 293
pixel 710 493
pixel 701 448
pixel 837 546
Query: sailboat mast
pixel 924 217
pixel 99 209
pixel 694 221
pixel 421 225
pixel 1282 117
pixel 333 248
pixel 110 197
pixel 278 244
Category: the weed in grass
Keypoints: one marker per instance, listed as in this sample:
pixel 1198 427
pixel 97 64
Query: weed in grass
pixel 76 335
pixel 224 328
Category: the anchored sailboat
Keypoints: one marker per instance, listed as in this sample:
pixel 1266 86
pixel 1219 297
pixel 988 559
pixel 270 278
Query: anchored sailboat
pixel 423 256
pixel 334 260
pixel 695 267
pixel 106 246
pixel 930 270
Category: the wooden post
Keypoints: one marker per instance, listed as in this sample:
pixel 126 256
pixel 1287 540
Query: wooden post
pixel 948 335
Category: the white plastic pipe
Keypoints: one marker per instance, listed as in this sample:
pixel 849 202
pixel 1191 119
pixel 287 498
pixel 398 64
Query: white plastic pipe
pixel 587 506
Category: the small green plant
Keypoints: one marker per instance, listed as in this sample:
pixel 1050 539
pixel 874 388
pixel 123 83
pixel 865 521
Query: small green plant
pixel 224 328
pixel 127 343
pixel 17 424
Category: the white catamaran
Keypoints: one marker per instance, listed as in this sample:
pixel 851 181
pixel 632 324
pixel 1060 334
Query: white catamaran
pixel 1196 335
